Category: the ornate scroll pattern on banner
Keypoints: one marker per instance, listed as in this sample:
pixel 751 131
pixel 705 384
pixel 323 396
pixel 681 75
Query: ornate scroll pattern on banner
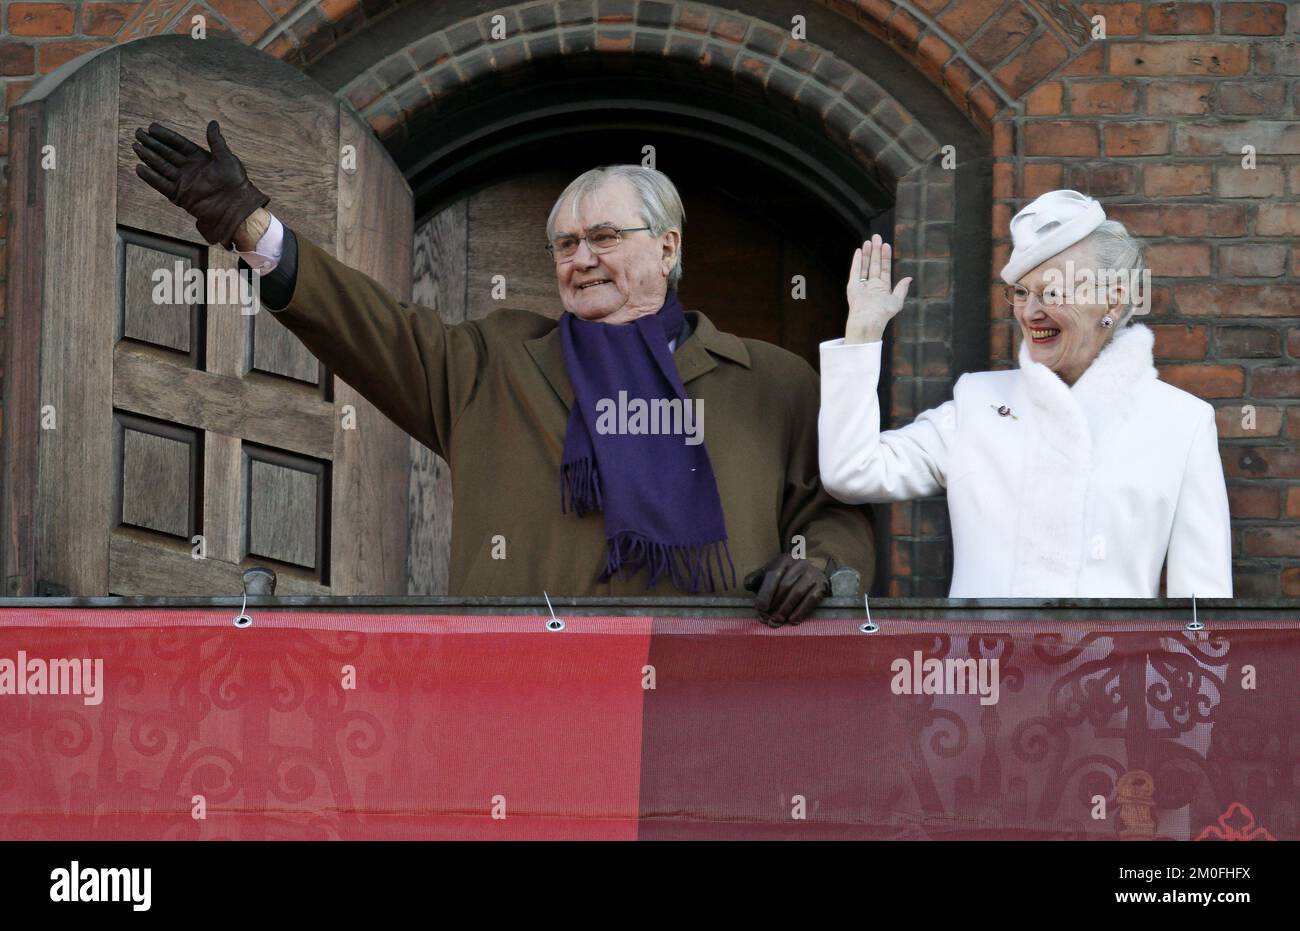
pixel 1087 723
pixel 1122 705
pixel 1254 748
pixel 132 766
pixel 410 727
pixel 1094 734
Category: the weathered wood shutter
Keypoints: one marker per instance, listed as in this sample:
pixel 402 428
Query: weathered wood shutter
pixel 133 427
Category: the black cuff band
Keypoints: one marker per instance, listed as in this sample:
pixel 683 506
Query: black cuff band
pixel 277 286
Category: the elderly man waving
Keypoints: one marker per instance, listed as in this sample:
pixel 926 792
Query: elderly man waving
pixel 1079 474
pixel 521 406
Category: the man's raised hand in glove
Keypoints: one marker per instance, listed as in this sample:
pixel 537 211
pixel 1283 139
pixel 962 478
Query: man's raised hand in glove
pixel 211 186
pixel 788 589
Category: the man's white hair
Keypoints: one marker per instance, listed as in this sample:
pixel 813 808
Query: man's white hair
pixel 1118 252
pixel 661 205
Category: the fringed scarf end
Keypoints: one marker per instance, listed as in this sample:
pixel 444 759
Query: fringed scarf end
pixel 688 565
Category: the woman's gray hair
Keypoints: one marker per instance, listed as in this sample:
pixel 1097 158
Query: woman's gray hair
pixel 661 205
pixel 1117 252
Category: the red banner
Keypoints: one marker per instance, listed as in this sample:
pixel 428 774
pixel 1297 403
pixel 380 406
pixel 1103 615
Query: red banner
pixel 123 724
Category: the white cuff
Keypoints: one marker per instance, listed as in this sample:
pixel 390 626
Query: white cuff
pixel 849 369
pixel 877 345
pixel 266 254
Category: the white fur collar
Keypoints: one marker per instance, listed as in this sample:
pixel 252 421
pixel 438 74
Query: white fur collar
pixel 1103 395
pixel 1067 424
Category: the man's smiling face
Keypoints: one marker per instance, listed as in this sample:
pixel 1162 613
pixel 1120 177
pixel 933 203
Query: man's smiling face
pixel 628 282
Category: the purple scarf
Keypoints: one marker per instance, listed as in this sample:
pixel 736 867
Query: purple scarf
pixel 658 494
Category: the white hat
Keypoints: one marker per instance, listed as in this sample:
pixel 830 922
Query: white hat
pixel 1052 223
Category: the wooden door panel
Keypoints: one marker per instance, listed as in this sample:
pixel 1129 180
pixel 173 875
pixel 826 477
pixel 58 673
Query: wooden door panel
pixel 145 318
pixel 77 332
pixel 440 284
pixel 193 439
pixel 507 236
pixel 276 351
pixel 288 505
pixel 276 119
pixel 264 410
pixel 157 476
pixel 223 505
pixel 142 567
pixel 371 460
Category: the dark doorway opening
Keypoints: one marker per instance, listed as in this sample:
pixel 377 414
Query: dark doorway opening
pixel 774 210
pixel 767 197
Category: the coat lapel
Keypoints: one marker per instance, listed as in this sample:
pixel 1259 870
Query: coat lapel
pixel 549 357
pixel 695 355
pixel 707 344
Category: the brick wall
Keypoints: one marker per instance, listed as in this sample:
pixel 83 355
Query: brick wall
pixel 1152 120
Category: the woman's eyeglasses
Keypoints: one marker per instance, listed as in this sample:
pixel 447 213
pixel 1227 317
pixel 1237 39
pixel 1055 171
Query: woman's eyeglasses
pixel 1018 295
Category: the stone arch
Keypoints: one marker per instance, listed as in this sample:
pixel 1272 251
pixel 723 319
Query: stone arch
pixel 1018 42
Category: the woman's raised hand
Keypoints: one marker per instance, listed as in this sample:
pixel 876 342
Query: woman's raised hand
pixel 872 301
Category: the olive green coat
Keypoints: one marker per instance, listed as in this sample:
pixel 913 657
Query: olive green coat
pixel 492 397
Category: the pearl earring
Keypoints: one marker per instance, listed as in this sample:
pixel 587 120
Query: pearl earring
pixel 1108 321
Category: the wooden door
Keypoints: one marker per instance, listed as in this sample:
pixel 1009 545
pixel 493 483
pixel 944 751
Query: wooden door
pixel 160 448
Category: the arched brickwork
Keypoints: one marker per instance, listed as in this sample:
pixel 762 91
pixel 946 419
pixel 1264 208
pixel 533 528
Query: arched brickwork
pixel 1029 40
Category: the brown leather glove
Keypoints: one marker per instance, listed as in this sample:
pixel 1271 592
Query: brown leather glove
pixel 211 186
pixel 788 589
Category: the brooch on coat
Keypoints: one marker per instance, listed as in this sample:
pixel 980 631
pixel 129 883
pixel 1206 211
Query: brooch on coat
pixel 1004 411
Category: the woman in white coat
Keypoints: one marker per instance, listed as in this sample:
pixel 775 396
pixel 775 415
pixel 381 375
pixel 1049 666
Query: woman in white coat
pixel 1080 473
